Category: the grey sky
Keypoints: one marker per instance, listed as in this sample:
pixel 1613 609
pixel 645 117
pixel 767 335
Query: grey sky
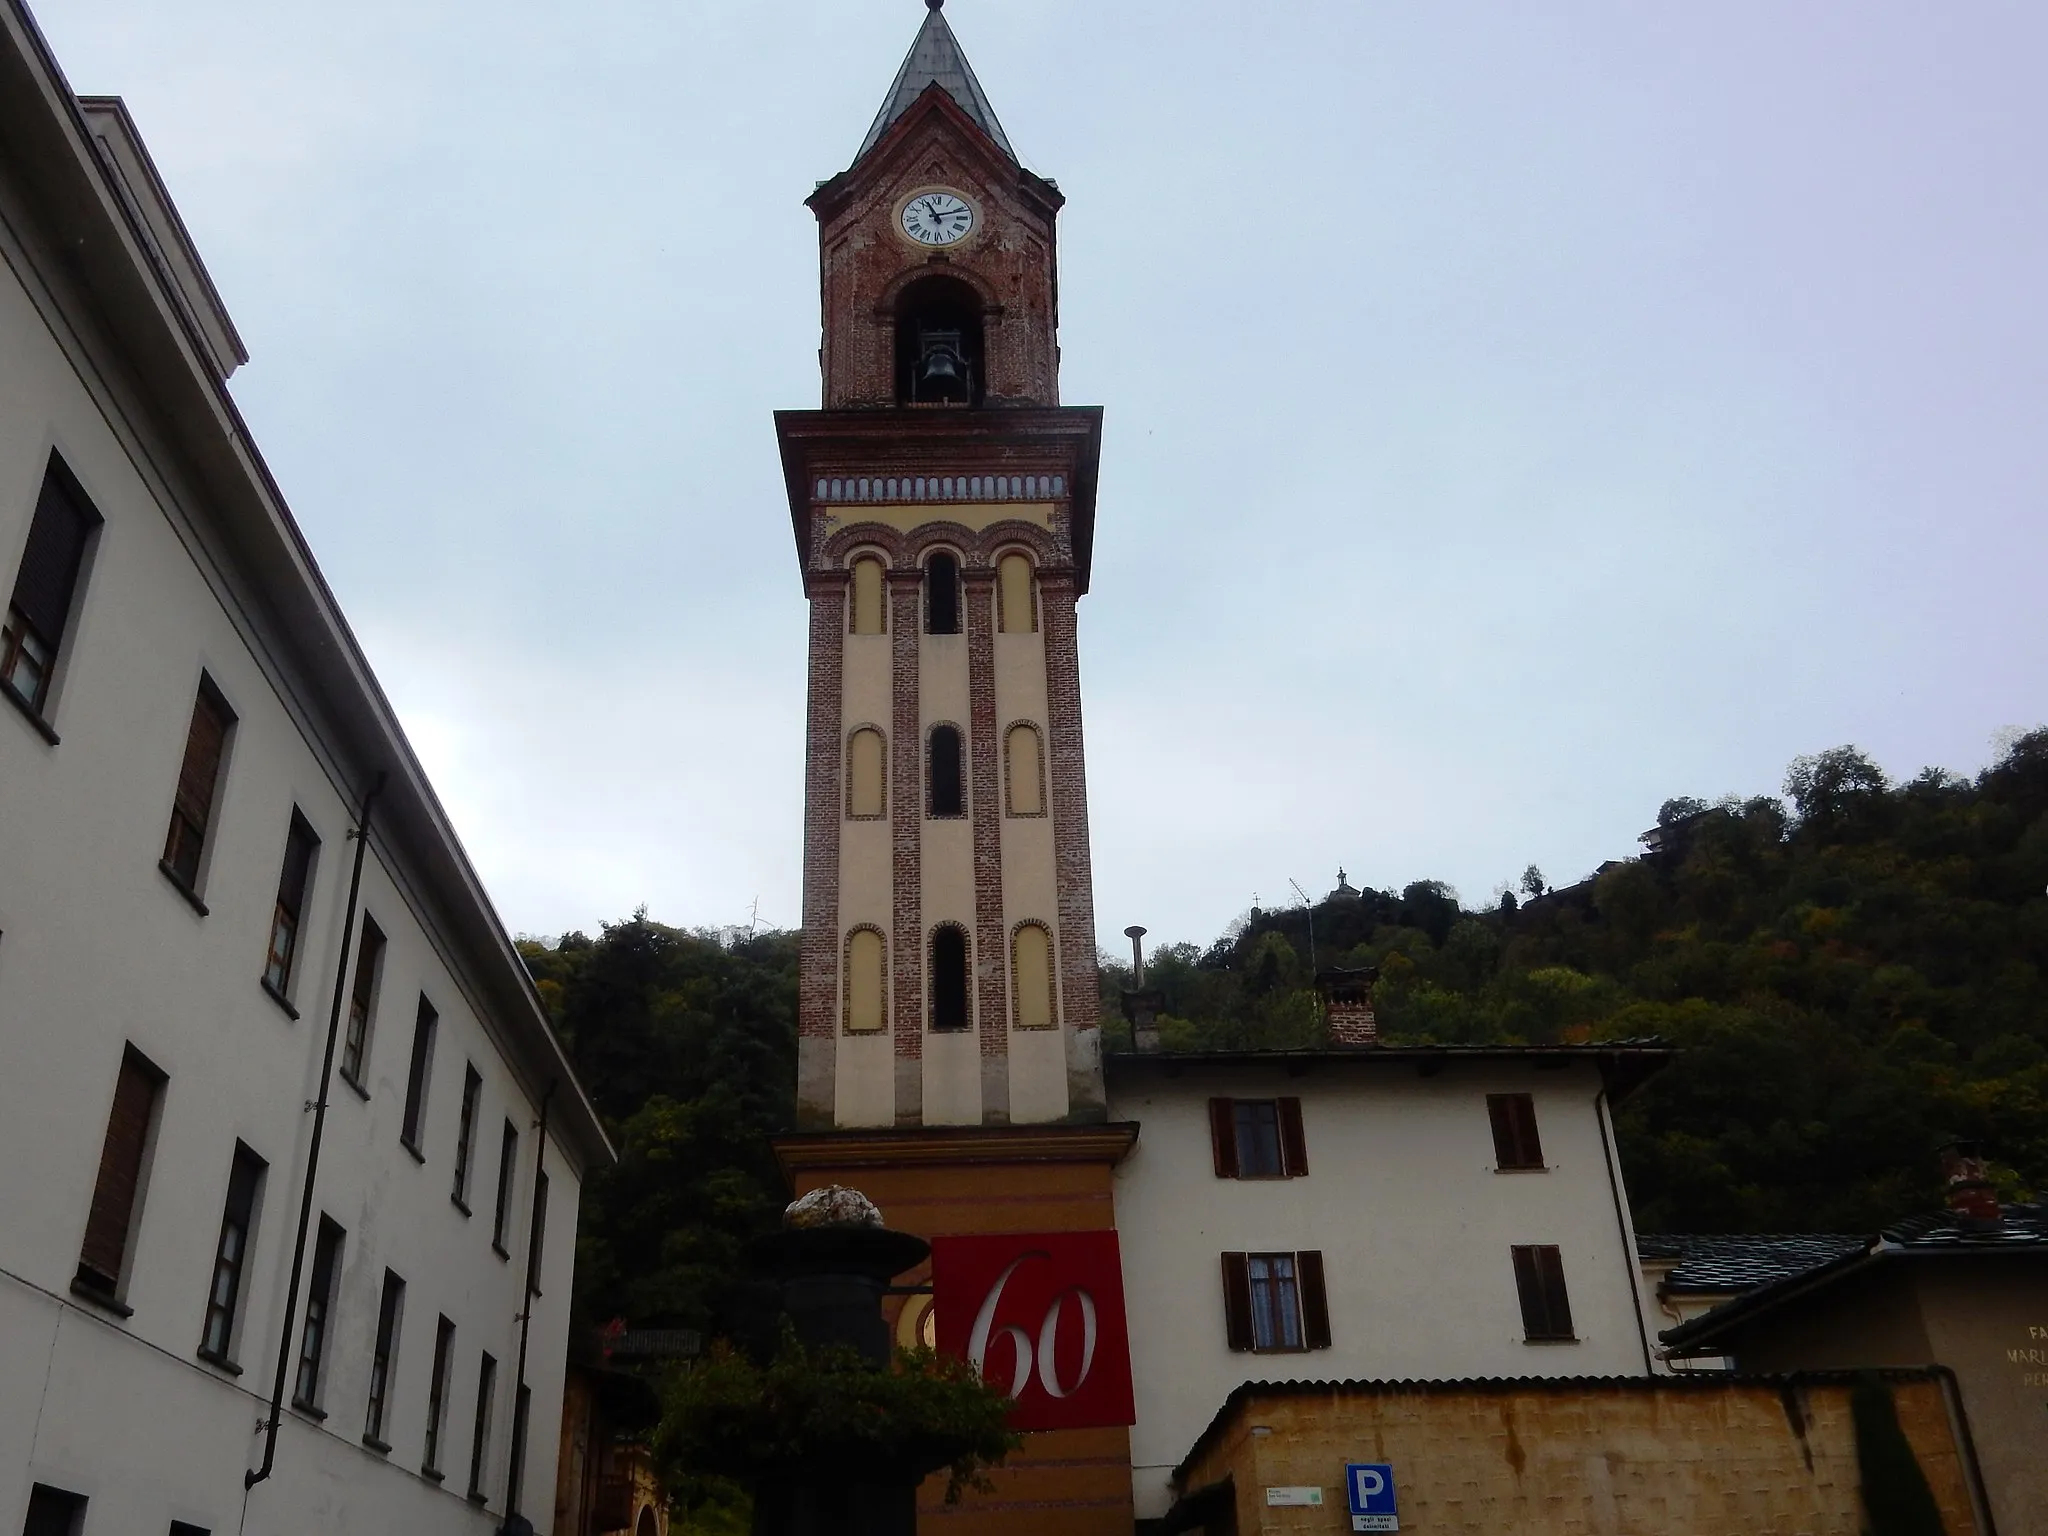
pixel 1516 414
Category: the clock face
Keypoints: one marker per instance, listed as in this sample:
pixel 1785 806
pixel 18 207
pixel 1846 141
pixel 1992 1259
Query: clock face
pixel 937 218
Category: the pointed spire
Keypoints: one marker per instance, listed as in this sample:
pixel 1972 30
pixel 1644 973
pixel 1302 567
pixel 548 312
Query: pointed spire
pixel 935 58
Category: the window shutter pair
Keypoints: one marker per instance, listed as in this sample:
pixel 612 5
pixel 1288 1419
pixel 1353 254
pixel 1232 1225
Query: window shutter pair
pixel 1515 1142
pixel 57 536
pixel 120 1175
pixel 1237 1300
pixel 1539 1280
pixel 1223 1138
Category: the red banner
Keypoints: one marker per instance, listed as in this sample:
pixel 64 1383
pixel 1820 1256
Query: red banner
pixel 1042 1315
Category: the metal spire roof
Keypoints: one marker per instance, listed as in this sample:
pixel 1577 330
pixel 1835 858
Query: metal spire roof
pixel 936 58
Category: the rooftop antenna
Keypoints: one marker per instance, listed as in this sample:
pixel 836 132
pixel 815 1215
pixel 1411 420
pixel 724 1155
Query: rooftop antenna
pixel 1310 908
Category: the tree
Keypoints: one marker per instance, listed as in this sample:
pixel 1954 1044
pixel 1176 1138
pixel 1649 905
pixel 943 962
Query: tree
pixel 1532 882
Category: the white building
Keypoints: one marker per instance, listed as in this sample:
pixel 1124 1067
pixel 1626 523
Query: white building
pixel 187 734
pixel 1389 1213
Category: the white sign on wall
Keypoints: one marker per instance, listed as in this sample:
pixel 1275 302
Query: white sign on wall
pixel 1294 1497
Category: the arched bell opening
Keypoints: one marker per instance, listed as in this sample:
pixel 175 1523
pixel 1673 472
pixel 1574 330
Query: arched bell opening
pixel 938 343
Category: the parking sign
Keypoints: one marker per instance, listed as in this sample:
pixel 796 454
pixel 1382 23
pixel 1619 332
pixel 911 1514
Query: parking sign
pixel 1371 1487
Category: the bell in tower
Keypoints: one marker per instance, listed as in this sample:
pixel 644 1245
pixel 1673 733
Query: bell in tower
pixel 938 343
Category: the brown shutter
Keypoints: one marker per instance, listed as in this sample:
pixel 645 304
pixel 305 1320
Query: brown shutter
pixel 299 844
pixel 203 747
pixel 1526 1139
pixel 50 561
pixel 1293 1144
pixel 1515 1143
pixel 120 1176
pixel 1223 1137
pixel 1557 1307
pixel 1315 1300
pixel 1237 1299
pixel 1539 1278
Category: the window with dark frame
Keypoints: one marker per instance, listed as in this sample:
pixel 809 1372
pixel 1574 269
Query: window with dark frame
pixel 480 1441
pixel 231 1256
pixel 1539 1281
pixel 508 1162
pixel 185 1528
pixel 437 1395
pixel 416 1077
pixel 319 1312
pixel 949 978
pixel 1275 1303
pixel 1516 1146
pixel 942 595
pixel 53 1512
pixel 947 772
pixel 206 743
pixel 117 1191
pixel 522 1404
pixel 32 637
pixel 465 1134
pixel 300 845
pixel 362 1002
pixel 1258 1138
pixel 536 1241
pixel 383 1358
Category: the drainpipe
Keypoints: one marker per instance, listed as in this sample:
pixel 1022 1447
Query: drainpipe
pixel 1628 1252
pixel 520 1427
pixel 291 1302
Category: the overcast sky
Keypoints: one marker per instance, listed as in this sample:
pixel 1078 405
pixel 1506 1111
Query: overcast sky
pixel 1516 414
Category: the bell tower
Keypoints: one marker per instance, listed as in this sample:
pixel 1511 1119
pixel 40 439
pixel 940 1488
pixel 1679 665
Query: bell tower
pixel 943 504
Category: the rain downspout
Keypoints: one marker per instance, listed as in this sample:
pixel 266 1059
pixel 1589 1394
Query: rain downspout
pixel 520 1427
pixel 291 1302
pixel 1628 1253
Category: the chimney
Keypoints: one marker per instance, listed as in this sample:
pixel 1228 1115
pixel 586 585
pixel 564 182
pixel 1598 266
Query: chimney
pixel 1347 1005
pixel 1970 1196
pixel 1141 1007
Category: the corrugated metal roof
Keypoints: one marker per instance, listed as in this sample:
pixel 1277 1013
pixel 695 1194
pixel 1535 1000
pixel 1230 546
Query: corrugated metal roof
pixel 935 59
pixel 1739 1261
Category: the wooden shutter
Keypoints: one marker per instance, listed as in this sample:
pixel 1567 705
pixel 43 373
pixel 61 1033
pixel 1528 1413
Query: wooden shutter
pixel 120 1176
pixel 1237 1298
pixel 1515 1142
pixel 1293 1143
pixel 204 744
pixel 1315 1300
pixel 416 1075
pixel 1223 1137
pixel 50 561
pixel 299 844
pixel 1539 1278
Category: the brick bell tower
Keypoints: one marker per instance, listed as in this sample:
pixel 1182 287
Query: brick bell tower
pixel 943 502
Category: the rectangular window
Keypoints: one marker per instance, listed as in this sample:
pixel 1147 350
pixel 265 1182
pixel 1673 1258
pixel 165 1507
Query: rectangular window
pixel 1257 1138
pixel 1515 1143
pixel 508 1153
pixel 1275 1303
pixel 537 1239
pixel 53 1512
pixel 37 613
pixel 480 1443
pixel 362 1000
pixel 1539 1279
pixel 416 1077
pixel 319 1313
pixel 465 1135
pixel 437 1395
pixel 186 1528
pixel 383 1358
pixel 231 1256
pixel 300 845
pixel 117 1192
pixel 198 785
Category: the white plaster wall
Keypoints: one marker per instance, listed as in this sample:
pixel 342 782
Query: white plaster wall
pixel 1413 1222
pixel 100 950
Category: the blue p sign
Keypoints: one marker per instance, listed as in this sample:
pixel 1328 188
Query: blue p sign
pixel 1371 1487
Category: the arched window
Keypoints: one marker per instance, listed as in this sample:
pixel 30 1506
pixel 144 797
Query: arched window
pixel 867 596
pixel 948 782
pixel 949 977
pixel 866 974
pixel 1023 767
pixel 938 343
pixel 942 595
pixel 1031 971
pixel 647 1526
pixel 866 756
pixel 1013 584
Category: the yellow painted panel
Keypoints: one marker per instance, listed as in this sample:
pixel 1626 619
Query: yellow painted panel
pixel 911 516
pixel 1033 951
pixel 864 1010
pixel 864 771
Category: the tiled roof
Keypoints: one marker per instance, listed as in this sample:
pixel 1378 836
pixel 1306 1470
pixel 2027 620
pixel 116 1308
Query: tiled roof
pixel 2022 1225
pixel 1738 1261
pixel 935 58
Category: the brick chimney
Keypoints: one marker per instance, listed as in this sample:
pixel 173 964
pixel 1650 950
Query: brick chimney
pixel 1970 1195
pixel 1347 1005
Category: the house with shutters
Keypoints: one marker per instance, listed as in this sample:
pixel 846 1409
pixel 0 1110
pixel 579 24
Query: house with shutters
pixel 289 1154
pixel 1368 1212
